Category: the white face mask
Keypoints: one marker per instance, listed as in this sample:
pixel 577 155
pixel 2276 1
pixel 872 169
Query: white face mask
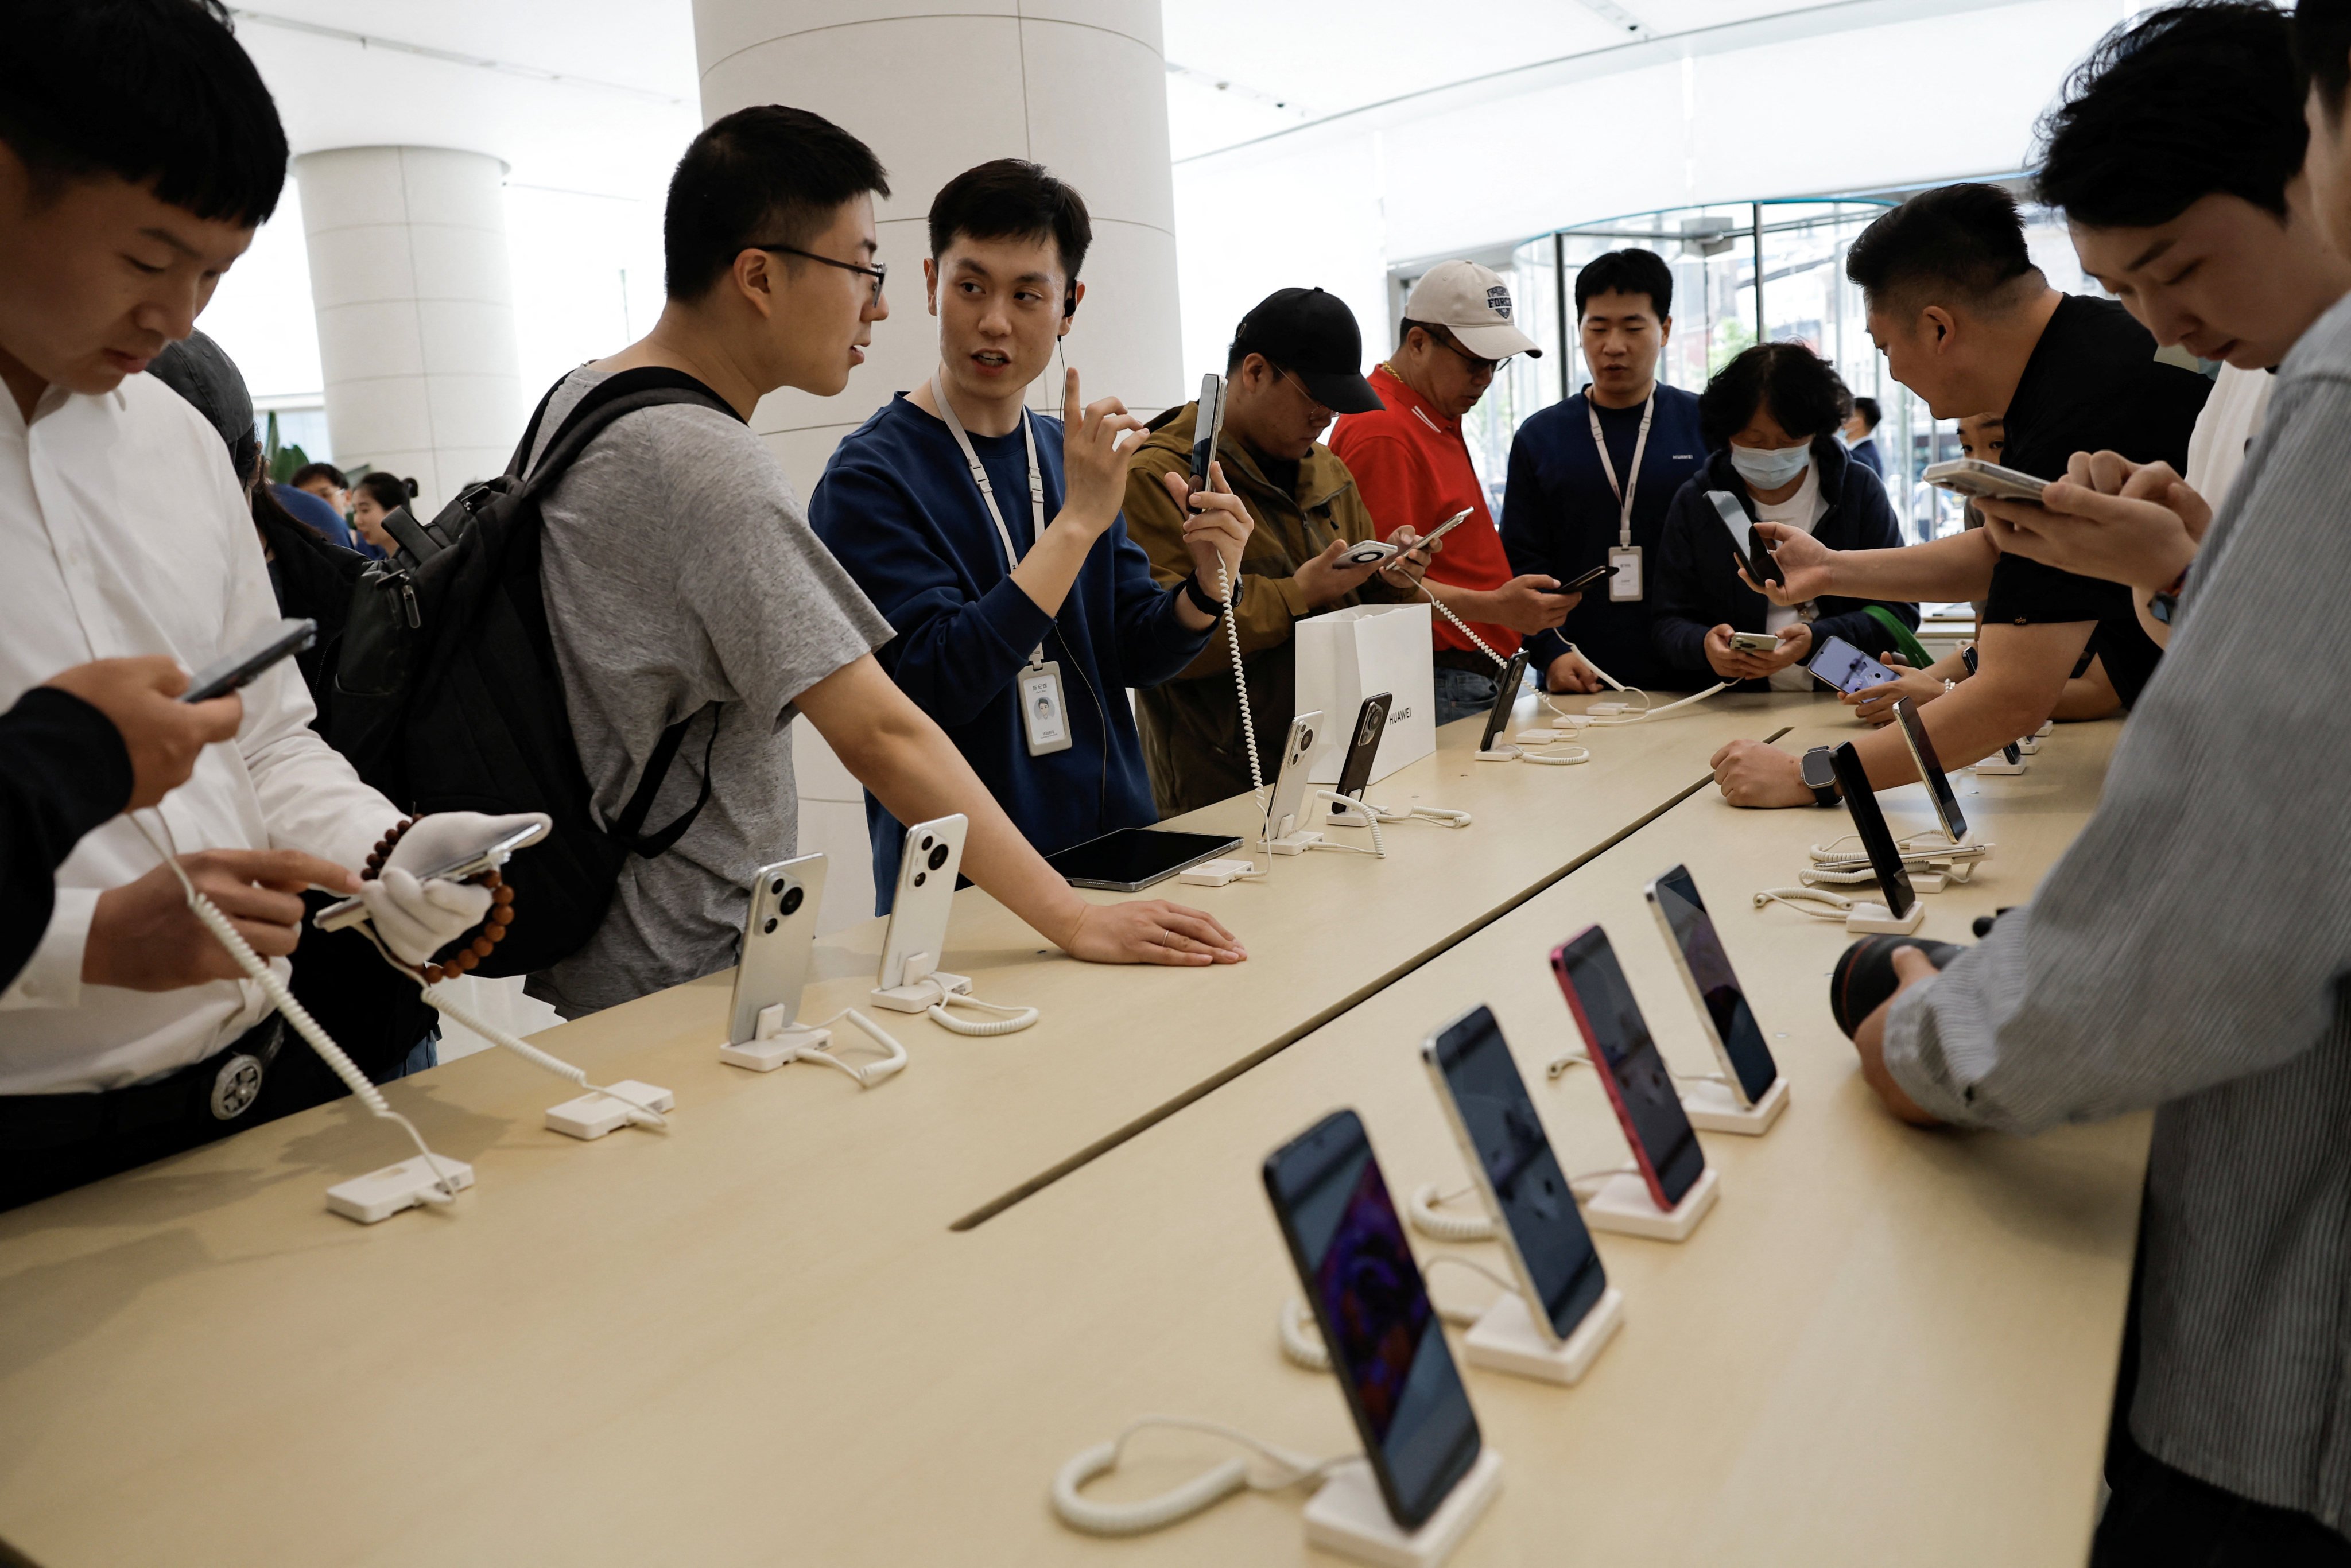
pixel 1768 468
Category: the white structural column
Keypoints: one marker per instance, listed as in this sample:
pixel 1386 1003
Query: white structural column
pixel 415 304
pixel 1081 85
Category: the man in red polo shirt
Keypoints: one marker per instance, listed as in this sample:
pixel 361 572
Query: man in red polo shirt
pixel 1413 469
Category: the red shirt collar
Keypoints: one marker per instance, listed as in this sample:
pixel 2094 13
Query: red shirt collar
pixel 1394 392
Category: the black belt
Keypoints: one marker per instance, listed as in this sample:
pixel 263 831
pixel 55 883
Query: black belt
pixel 1472 664
pixel 219 1089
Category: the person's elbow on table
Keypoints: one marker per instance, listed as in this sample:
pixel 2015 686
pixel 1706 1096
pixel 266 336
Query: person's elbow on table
pixel 1911 967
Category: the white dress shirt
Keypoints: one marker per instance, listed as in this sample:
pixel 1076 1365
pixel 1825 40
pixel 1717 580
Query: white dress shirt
pixel 122 531
pixel 2233 416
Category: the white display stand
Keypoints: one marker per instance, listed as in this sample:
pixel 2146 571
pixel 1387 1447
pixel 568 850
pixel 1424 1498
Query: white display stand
pixel 1348 1516
pixel 1867 919
pixel 917 996
pixel 1507 1340
pixel 767 1054
pixel 1712 1107
pixel 2000 766
pixel 1502 751
pixel 1625 1206
pixel 1295 843
pixel 592 1115
pixel 380 1194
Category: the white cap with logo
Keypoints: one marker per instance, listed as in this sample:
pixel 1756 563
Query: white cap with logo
pixel 1473 303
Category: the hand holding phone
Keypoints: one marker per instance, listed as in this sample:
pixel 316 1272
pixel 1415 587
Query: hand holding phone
pixel 1208 425
pixel 1846 668
pixel 1760 564
pixel 1975 478
pixel 162 734
pixel 1597 574
pixel 281 640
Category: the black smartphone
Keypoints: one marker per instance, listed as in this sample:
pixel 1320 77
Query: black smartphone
pixel 278 641
pixel 1630 1067
pixel 1930 768
pixel 1208 424
pixel 1861 804
pixel 1364 748
pixel 1386 1343
pixel 1759 561
pixel 1506 697
pixel 1597 574
pixel 1493 1119
pixel 1714 987
pixel 1968 657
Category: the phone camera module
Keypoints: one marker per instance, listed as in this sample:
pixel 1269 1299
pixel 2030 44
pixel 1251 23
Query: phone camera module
pixel 938 857
pixel 769 928
pixel 793 900
pixel 775 887
pixel 926 842
pixel 920 877
pixel 1305 740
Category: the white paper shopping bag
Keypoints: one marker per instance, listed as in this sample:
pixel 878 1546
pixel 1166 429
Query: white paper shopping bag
pixel 1350 655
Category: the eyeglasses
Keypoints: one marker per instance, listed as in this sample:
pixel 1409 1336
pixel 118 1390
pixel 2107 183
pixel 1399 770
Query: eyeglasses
pixel 1478 363
pixel 877 272
pixel 1312 402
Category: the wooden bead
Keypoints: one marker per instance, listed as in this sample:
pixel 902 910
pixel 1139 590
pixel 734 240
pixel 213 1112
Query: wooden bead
pixel 494 934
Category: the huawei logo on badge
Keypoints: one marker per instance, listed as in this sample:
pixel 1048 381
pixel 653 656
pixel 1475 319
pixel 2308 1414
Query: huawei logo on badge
pixel 1400 714
pixel 1498 300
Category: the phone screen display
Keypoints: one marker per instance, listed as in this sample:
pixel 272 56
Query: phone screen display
pixel 1560 1263
pixel 1708 969
pixel 1930 768
pixel 1635 1073
pixel 1869 822
pixel 1847 667
pixel 1387 1341
pixel 1506 697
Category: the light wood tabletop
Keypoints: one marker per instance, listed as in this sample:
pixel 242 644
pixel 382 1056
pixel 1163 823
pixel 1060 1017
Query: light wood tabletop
pixel 755 1339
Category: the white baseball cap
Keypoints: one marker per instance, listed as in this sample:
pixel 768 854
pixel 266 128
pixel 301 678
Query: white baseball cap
pixel 1473 303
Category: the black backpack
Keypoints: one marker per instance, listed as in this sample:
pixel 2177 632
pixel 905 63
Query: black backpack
pixel 447 697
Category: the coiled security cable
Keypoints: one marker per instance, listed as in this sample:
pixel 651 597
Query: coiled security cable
pixel 1204 1490
pixel 208 914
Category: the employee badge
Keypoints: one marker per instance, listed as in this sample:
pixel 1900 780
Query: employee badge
pixel 1042 713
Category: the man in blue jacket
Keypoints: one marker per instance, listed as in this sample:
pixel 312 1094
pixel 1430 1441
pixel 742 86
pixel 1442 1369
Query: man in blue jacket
pixel 1591 478
pixel 1018 634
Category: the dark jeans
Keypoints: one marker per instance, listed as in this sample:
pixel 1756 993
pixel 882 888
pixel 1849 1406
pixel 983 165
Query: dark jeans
pixel 2162 1518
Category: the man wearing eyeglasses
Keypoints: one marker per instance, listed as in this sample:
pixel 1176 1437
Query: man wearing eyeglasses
pixel 1414 468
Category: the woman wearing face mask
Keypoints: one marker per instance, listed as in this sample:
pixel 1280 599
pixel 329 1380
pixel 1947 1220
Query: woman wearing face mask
pixel 1770 419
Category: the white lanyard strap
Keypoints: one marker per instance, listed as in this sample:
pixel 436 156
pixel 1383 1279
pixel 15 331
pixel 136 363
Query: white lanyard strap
pixel 980 474
pixel 1608 465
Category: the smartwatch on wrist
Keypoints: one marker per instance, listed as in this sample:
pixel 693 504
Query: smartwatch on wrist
pixel 2165 603
pixel 1202 601
pixel 1820 776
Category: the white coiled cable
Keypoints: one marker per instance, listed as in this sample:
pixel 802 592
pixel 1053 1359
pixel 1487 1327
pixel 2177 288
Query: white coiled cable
pixel 576 1076
pixel 1204 1490
pixel 872 1073
pixel 1011 1020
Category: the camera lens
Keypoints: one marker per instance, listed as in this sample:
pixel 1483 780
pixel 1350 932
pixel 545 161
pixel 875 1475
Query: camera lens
pixel 938 857
pixel 770 925
pixel 926 841
pixel 775 887
pixel 1305 738
pixel 920 877
pixel 793 900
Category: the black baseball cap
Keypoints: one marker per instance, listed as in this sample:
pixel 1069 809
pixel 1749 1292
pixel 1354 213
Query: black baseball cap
pixel 200 370
pixel 1313 336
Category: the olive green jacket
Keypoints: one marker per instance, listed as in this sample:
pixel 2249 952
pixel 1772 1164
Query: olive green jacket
pixel 1191 726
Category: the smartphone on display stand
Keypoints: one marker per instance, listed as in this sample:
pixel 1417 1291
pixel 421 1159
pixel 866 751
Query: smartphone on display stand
pixel 778 939
pixel 1206 427
pixel 926 896
pixel 1629 1066
pixel 1846 667
pixel 1930 768
pixel 1975 478
pixel 1290 786
pixel 1506 697
pixel 280 639
pixel 1386 1343
pixel 1364 749
pixel 1714 989
pixel 1516 1171
pixel 1869 822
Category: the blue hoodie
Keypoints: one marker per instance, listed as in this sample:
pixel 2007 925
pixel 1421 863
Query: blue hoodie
pixel 898 507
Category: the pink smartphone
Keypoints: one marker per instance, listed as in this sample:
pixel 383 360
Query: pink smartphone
pixel 1629 1066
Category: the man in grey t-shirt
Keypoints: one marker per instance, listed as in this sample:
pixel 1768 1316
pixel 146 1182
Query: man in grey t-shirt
pixel 682 582
pixel 682 579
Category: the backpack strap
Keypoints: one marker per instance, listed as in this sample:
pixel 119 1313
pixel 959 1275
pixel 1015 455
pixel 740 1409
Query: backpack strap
pixel 520 461
pixel 628 829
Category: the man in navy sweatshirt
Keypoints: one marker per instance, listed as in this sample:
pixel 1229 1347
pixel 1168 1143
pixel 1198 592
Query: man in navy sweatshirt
pixel 1019 634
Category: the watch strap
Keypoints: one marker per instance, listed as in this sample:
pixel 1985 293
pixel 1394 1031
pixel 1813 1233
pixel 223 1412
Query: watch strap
pixel 1202 601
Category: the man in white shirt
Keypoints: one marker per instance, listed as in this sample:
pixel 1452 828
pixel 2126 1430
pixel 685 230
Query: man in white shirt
pixel 122 533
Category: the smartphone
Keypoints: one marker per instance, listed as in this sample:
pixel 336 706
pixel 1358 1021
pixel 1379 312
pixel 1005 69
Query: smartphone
pixel 1714 989
pixel 1366 552
pixel 1869 822
pixel 1290 786
pixel 1597 574
pixel 1846 667
pixel 1506 697
pixel 1930 768
pixel 1444 528
pixel 1968 657
pixel 1371 723
pixel 1387 1345
pixel 347 911
pixel 1754 642
pixel 779 940
pixel 1493 1119
pixel 1974 477
pixel 1760 564
pixel 1629 1066
pixel 926 895
pixel 1206 427
pixel 280 639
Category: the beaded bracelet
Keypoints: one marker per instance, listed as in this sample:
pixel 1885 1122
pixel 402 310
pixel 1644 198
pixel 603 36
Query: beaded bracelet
pixel 486 936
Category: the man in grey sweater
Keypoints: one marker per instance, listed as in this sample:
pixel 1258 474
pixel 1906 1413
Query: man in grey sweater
pixel 2190 953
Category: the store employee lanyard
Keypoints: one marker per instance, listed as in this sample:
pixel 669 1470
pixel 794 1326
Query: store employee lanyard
pixel 1627 556
pixel 1042 710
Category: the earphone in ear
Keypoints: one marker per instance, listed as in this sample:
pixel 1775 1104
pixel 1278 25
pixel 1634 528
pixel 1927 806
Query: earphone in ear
pixel 1069 301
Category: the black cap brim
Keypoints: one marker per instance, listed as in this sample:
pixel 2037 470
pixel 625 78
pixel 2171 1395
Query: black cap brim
pixel 1341 392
